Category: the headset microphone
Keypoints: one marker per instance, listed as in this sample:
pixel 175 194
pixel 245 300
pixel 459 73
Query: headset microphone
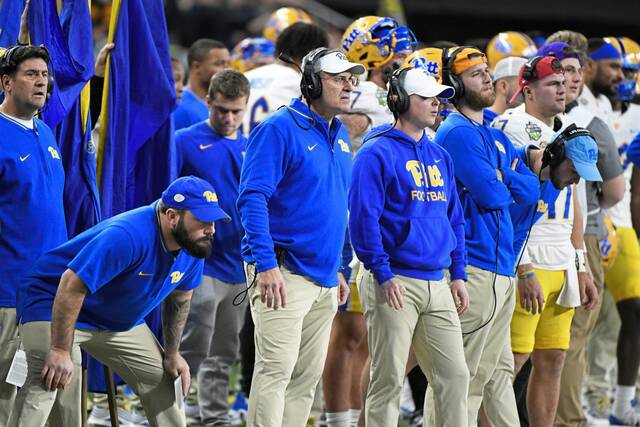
pixel 289 60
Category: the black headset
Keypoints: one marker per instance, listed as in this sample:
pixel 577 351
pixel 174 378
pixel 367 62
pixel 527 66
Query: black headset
pixel 8 64
pixel 554 152
pixel 397 97
pixel 448 77
pixel 529 71
pixel 311 84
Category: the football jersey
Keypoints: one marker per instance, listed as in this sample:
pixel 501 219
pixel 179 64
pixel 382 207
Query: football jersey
pixel 272 86
pixel 599 106
pixel 371 100
pixel 624 128
pixel 549 246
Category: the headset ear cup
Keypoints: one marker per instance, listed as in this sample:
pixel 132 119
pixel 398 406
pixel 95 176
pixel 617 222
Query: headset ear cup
pixel 403 100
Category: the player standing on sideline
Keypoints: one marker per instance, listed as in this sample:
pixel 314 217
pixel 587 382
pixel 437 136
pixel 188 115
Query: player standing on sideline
pixel 505 83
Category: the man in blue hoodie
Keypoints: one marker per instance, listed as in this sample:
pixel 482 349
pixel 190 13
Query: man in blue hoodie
pixel 293 207
pixel 489 179
pixel 407 227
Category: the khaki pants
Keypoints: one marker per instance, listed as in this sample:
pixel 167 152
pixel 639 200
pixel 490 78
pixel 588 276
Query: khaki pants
pixel 488 349
pixel 135 355
pixel 601 350
pixel 8 345
pixel 291 347
pixel 570 407
pixel 430 323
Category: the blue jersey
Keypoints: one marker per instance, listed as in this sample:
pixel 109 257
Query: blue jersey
pixel 124 265
pixel 477 152
pixel 204 153
pixel 404 213
pixel 31 208
pixel 190 111
pixel 293 193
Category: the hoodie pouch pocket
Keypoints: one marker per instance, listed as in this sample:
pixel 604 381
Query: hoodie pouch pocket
pixel 428 242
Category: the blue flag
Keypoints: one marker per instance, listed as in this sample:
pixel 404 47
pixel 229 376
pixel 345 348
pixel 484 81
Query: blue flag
pixel 69 39
pixel 136 155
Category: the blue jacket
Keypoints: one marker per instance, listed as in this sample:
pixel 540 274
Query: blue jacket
pixel 293 193
pixel 202 152
pixel 404 213
pixel 32 217
pixel 477 151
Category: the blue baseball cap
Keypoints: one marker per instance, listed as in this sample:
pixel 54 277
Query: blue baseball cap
pixel 581 148
pixel 559 50
pixel 195 195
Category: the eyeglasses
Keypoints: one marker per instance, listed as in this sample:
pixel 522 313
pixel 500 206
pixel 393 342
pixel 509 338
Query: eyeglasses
pixel 343 80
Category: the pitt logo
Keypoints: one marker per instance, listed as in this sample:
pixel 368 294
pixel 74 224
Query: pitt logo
pixel 54 153
pixel 350 39
pixel 418 173
pixel 343 145
pixel 210 196
pixel 500 147
pixel 542 206
pixel 176 276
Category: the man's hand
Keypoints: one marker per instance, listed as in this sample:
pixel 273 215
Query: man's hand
pixel 272 288
pixel 394 289
pixel 531 297
pixel 23 35
pixel 588 291
pixel 57 370
pixel 176 366
pixel 101 59
pixel 343 289
pixel 499 174
pixel 460 296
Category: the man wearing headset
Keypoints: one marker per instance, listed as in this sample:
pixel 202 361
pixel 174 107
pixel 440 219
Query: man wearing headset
pixel 32 181
pixel 549 285
pixel 293 207
pixel 489 179
pixel 403 190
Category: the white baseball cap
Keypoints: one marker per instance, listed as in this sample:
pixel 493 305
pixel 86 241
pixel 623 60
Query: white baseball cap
pixel 508 67
pixel 336 62
pixel 417 81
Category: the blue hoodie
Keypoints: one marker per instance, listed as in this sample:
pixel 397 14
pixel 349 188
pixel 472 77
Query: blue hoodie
pixel 293 193
pixel 477 151
pixel 405 217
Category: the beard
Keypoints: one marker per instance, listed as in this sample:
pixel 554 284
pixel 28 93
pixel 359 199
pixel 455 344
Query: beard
pixel 479 100
pixel 601 87
pixel 200 248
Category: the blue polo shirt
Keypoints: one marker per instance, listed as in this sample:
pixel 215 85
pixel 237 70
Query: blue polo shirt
pixel 124 265
pixel 31 208
pixel 191 110
pixel 293 193
pixel 203 152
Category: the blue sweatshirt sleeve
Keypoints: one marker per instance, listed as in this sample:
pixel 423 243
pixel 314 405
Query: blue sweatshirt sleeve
pixel 522 183
pixel 633 152
pixel 456 218
pixel 475 170
pixel 262 170
pixel 366 203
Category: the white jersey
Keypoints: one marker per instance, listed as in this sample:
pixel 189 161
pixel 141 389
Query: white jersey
pixel 549 246
pixel 624 128
pixel 599 107
pixel 272 86
pixel 371 100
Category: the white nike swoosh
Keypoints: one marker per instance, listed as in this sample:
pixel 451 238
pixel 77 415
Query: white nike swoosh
pixel 22 159
pixel 311 147
pixel 438 161
pixel 142 273
pixel 204 147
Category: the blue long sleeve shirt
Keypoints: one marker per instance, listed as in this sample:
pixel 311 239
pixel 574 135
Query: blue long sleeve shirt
pixel 405 217
pixel 203 152
pixel 477 151
pixel 293 193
